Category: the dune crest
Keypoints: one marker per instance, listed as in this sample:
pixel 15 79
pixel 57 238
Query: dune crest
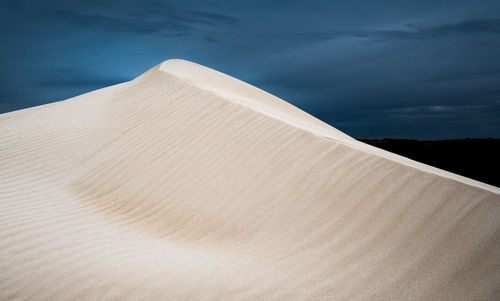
pixel 188 184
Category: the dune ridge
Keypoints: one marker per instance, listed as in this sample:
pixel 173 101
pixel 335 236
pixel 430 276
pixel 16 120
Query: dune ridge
pixel 187 184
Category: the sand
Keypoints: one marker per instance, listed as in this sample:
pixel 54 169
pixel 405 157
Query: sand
pixel 188 184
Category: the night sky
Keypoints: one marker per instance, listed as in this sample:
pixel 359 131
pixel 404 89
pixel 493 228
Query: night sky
pixel 424 69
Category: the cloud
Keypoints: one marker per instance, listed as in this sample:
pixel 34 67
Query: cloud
pixel 478 26
pixel 129 24
pixel 212 18
pixel 431 109
pixel 151 18
pixel 410 32
pixel 431 122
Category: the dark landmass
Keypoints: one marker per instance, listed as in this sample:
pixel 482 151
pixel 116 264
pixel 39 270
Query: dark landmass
pixel 478 159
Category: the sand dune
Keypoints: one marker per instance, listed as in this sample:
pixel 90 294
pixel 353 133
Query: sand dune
pixel 187 184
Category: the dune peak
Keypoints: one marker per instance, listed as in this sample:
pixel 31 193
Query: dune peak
pixel 186 183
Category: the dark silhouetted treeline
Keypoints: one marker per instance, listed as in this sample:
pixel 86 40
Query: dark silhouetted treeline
pixel 478 159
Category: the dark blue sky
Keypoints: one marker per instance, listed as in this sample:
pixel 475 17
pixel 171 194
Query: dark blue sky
pixel 403 69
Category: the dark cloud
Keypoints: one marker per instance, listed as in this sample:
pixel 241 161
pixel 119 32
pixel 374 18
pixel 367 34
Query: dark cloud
pixel 438 121
pixel 410 32
pixel 212 18
pixel 153 17
pixel 128 24
pixel 482 26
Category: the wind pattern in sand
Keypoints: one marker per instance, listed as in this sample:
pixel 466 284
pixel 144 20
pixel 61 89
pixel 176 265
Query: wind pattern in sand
pixel 187 184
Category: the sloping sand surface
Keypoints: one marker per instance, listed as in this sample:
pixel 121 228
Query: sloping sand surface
pixel 187 184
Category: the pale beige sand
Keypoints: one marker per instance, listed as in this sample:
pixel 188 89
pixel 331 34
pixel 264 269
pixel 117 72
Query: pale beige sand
pixel 189 184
